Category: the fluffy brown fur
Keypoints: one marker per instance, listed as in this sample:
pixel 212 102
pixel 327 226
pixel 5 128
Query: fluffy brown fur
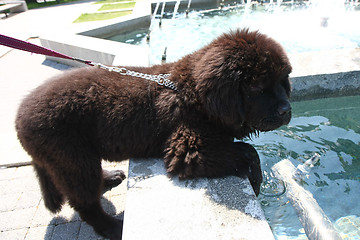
pixel 233 87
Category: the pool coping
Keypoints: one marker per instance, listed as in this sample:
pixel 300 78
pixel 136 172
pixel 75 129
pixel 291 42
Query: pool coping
pixel 321 74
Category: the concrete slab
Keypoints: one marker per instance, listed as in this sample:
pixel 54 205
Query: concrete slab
pixel 326 85
pixel 95 49
pixel 158 207
pixel 325 74
pixel 21 8
pixel 325 62
pixel 140 18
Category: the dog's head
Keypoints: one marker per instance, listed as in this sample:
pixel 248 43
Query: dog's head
pixel 243 82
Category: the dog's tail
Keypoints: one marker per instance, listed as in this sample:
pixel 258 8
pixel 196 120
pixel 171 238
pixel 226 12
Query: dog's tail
pixel 53 198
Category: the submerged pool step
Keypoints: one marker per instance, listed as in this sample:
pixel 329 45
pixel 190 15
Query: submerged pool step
pixel 316 224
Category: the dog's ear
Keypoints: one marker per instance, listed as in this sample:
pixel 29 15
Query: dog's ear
pixel 218 85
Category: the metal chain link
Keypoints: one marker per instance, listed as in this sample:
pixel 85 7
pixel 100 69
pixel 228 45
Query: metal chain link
pixel 133 181
pixel 161 79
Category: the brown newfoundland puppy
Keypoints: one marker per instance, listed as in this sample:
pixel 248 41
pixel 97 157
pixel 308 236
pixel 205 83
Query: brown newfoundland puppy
pixel 236 86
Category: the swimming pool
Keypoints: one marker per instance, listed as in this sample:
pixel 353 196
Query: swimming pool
pixel 331 128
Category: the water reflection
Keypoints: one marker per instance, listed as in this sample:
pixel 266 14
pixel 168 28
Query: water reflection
pixel 335 178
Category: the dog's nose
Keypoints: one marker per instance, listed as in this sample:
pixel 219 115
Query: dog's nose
pixel 284 108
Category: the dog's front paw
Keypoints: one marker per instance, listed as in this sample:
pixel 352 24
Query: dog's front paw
pixel 112 179
pixel 249 164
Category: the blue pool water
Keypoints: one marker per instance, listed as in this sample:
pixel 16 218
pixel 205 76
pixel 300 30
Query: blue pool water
pixel 331 128
pixel 298 29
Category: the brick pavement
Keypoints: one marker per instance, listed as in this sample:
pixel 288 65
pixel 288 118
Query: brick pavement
pixel 22 212
pixel 24 216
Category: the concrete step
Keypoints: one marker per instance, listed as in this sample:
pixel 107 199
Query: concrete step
pixel 161 208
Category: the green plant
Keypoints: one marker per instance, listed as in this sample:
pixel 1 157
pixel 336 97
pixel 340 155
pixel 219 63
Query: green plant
pixel 86 17
pixel 34 5
pixel 112 6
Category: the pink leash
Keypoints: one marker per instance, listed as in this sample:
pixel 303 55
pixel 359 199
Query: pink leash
pixel 161 79
pixel 29 47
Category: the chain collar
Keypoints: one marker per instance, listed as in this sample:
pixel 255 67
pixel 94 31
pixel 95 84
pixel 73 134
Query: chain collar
pixel 161 79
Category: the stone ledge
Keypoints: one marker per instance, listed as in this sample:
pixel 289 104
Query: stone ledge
pixel 158 207
pixel 96 50
pixel 118 27
pixel 322 74
pixel 325 85
pixel 16 6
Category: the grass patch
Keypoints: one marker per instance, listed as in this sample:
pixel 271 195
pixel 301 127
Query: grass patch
pixel 112 1
pixel 33 5
pixel 113 6
pixel 87 17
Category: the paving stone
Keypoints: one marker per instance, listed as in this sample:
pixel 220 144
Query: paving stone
pixel 118 190
pixel 88 233
pixel 37 233
pixel 43 217
pixel 119 203
pixel 108 206
pixel 19 185
pixel 16 172
pixel 17 219
pixel 7 173
pixel 17 234
pixel 24 172
pixel 66 231
pixel 4 186
pixel 8 201
pixel 67 214
pixel 29 199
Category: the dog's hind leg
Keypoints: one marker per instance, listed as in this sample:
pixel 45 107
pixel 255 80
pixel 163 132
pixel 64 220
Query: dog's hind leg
pixel 80 177
pixel 87 203
pixel 102 223
pixel 53 199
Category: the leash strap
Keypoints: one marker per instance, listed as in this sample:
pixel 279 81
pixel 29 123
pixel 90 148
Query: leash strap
pixel 161 79
pixel 29 47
